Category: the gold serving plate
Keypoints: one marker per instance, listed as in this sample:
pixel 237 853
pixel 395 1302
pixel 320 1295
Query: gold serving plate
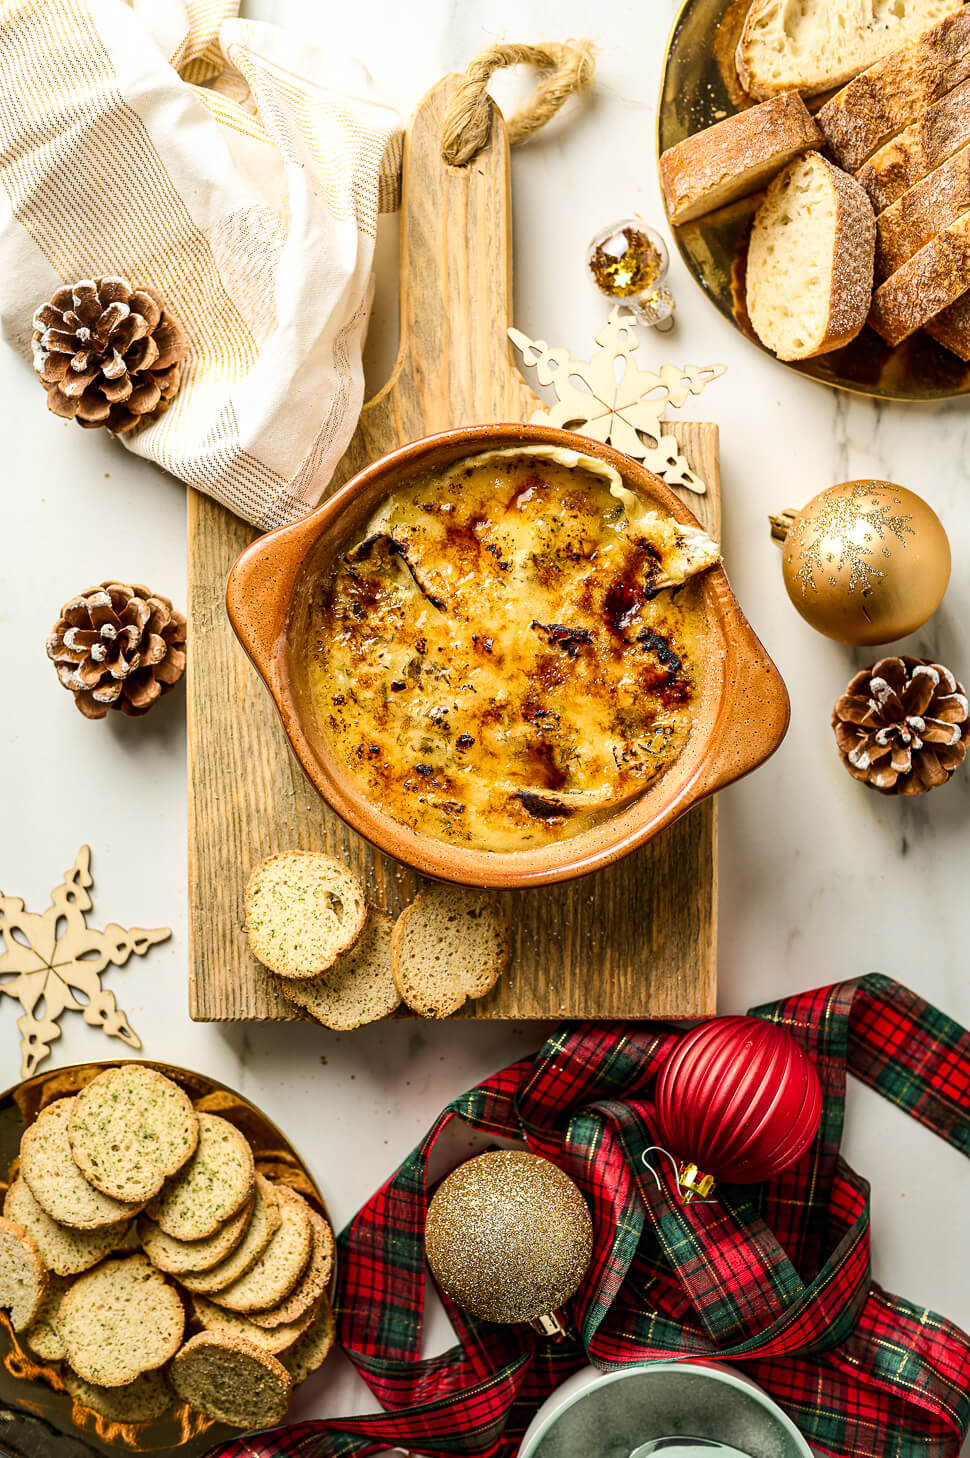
pixel 37 1413
pixel 700 87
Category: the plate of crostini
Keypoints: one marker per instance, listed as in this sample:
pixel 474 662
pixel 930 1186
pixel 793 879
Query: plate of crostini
pixel 823 203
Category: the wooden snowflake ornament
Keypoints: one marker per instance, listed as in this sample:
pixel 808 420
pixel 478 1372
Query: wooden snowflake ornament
pixel 52 963
pixel 612 400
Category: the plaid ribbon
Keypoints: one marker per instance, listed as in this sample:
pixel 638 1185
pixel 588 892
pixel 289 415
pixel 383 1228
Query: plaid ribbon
pixel 774 1277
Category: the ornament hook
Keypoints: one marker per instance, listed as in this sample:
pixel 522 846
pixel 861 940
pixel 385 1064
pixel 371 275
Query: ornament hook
pixel 690 1181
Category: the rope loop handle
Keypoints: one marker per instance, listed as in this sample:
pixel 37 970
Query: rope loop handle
pixel 567 67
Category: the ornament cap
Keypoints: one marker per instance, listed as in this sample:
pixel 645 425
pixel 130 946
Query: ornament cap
pixel 694 1183
pixel 551 1325
pixel 782 523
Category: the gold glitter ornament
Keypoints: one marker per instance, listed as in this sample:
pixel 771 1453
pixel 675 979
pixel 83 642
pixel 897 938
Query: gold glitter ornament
pixel 865 561
pixel 508 1237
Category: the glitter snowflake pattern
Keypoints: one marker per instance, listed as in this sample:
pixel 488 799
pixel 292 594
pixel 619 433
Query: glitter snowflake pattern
pixel 52 963
pixel 612 400
pixel 849 529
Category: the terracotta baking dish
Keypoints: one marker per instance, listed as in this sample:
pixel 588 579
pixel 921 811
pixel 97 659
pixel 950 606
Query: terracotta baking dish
pixel 741 708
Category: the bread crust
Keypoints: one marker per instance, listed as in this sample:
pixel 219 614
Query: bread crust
pixel 932 204
pixel 736 156
pixel 853 253
pixel 930 281
pixel 951 328
pixel 903 162
pixel 808 86
pixel 883 100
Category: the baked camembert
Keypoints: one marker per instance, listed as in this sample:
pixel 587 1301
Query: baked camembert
pixel 498 660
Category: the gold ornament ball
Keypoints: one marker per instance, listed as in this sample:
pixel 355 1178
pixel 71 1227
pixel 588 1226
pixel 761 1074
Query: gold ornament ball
pixel 864 562
pixel 508 1236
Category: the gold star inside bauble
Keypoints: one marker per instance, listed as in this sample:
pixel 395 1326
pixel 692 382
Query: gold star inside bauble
pixel 612 400
pixel 52 963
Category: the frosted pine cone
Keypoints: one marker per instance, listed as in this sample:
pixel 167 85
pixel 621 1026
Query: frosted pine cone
pixel 118 647
pixel 902 726
pixel 107 354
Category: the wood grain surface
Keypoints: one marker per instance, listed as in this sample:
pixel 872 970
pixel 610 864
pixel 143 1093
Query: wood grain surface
pixel 635 940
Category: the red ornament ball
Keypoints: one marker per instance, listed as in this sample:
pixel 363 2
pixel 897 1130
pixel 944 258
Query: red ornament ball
pixel 739 1098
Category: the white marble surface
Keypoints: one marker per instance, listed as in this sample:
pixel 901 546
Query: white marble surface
pixel 820 879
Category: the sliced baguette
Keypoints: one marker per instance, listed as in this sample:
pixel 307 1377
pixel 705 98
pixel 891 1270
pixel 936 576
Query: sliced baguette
pixel 231 1380
pixel 922 212
pixel 274 1275
pixel 903 162
pixel 892 93
pixel 47 1165
pixel 263 1225
pixel 311 1350
pixel 358 988
pixel 211 1188
pixel 142 1401
pixel 810 260
pixel 64 1251
pixel 951 328
pixel 131 1129
pixel 119 1320
pixel 450 944
pixel 214 1318
pixel 932 280
pixel 736 157
pixel 192 1257
pixel 818 44
pixel 23 1279
pixel 303 909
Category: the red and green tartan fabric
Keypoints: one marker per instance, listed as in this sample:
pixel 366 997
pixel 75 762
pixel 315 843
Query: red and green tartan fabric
pixel 773 1277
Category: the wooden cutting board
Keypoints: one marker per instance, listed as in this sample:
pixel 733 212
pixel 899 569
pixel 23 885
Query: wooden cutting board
pixel 636 940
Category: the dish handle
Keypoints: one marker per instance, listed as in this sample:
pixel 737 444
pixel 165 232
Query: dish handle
pixel 755 713
pixel 260 589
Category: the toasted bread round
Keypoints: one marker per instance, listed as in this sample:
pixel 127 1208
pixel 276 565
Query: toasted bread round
pixel 142 1401
pixel 311 1285
pixel 263 1225
pixel 311 1350
pixel 56 1183
pixel 191 1257
pixel 232 1381
pixel 65 1251
pixel 450 944
pixel 303 909
pixel 23 1279
pixel 42 1336
pixel 214 1318
pixel 120 1320
pixel 130 1130
pixel 211 1188
pixel 271 1279
pixel 358 988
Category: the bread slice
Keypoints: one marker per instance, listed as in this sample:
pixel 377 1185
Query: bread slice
pixel 42 1336
pixel 23 1279
pixel 941 130
pixel 145 1400
pixel 214 1318
pixel 735 157
pixel 311 1285
pixel 311 1350
pixel 232 1381
pixel 929 282
pixel 933 204
pixel 263 1225
pixel 810 260
pixel 56 1183
pixel 130 1130
pixel 65 1251
pixel 213 1187
pixel 951 328
pixel 271 1279
pixel 358 988
pixel 120 1320
pixel 450 944
pixel 192 1257
pixel 303 909
pixel 817 44
pixel 861 117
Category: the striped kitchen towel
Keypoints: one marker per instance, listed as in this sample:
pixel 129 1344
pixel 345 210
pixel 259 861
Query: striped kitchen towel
pixel 237 170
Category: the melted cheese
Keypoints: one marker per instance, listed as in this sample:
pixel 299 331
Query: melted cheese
pixel 499 661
